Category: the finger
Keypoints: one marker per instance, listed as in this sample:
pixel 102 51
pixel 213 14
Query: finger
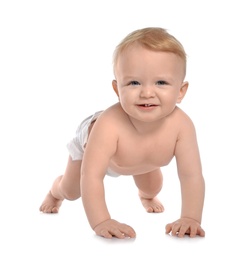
pixel 168 228
pixel 193 231
pixel 105 233
pixel 183 230
pixel 117 233
pixel 175 229
pixel 128 231
pixel 201 232
pixel 130 234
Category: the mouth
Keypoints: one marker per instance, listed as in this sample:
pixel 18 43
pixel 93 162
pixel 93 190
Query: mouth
pixel 147 105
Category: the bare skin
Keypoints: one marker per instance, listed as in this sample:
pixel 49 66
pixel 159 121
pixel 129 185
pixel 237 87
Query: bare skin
pixel 152 205
pixel 138 136
pixel 51 203
pixel 66 186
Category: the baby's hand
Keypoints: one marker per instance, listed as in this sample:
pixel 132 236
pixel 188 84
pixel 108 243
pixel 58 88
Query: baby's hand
pixel 112 228
pixel 185 226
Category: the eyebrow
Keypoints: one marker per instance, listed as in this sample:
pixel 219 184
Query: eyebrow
pixel 160 77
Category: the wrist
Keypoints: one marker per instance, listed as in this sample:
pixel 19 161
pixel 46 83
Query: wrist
pixel 191 218
pixel 96 225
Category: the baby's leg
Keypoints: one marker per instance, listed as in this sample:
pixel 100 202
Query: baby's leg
pixel 149 186
pixel 66 186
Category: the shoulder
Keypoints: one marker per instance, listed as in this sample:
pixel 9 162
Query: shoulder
pixel 112 116
pixel 109 122
pixel 183 123
pixel 181 118
pixel 103 137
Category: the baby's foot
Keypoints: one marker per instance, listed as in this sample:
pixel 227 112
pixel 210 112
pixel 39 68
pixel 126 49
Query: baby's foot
pixel 50 204
pixel 152 205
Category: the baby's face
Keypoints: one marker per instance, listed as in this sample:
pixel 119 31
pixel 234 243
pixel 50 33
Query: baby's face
pixel 149 83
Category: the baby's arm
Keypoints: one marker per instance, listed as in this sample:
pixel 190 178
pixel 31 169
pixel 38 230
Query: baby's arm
pixel 192 184
pixel 101 146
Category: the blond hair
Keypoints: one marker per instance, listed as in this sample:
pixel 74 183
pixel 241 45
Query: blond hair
pixel 152 38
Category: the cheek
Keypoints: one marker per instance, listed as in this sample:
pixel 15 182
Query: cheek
pixel 126 94
pixel 126 99
pixel 169 97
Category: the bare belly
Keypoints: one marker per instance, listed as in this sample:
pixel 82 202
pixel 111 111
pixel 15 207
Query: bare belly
pixel 136 169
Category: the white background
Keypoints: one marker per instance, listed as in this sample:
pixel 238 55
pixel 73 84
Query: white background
pixel 56 69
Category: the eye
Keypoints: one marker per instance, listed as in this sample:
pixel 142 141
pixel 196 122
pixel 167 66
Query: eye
pixel 161 83
pixel 134 83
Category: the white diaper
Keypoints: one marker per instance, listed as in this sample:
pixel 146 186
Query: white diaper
pixel 76 146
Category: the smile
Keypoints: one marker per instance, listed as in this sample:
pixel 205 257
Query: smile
pixel 147 105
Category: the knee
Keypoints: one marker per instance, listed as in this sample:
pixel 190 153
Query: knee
pixel 70 193
pixel 151 191
pixel 149 185
pixel 71 196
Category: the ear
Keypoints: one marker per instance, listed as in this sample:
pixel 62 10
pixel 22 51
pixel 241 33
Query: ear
pixel 115 87
pixel 183 91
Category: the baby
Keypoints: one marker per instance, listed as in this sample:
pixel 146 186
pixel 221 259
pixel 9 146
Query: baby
pixel 137 136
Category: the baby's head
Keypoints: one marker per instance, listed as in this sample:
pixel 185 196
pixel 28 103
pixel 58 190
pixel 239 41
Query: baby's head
pixel 152 38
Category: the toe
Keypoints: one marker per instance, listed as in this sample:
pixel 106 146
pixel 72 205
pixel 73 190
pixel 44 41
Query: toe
pixel 54 210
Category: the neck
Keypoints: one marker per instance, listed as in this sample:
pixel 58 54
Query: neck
pixel 144 128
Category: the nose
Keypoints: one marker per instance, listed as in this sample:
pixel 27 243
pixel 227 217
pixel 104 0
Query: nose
pixel 147 91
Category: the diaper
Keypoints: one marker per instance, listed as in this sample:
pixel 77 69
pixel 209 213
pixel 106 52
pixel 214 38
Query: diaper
pixel 76 146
